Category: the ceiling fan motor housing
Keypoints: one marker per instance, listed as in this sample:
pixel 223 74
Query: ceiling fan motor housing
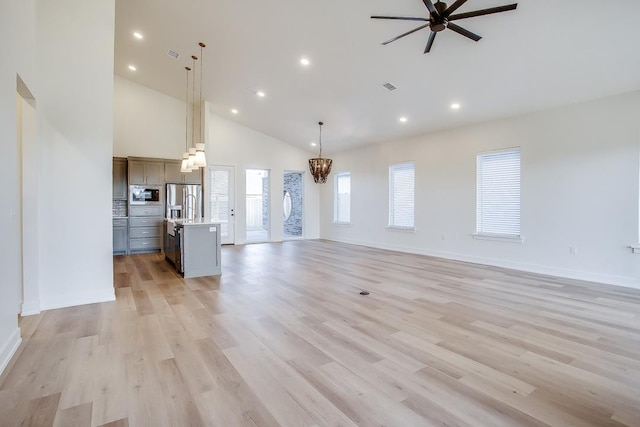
pixel 439 25
pixel 439 22
pixel 440 7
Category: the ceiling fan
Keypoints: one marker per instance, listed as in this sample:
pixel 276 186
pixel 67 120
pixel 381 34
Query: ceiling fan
pixel 440 17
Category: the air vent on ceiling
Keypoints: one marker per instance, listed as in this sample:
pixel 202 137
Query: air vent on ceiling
pixel 173 54
pixel 389 86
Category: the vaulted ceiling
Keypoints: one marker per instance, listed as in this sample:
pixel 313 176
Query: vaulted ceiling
pixel 542 55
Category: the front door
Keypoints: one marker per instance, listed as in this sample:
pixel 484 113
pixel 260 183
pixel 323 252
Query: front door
pixel 222 207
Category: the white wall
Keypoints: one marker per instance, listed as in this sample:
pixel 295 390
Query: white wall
pixel 69 207
pixel 17 42
pixel 231 144
pixel 75 109
pixel 146 123
pixel 31 161
pixel 580 188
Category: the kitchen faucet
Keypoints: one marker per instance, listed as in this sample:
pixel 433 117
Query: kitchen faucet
pixel 190 206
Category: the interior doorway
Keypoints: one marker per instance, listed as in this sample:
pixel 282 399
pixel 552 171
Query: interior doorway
pixel 27 181
pixel 292 214
pixel 222 201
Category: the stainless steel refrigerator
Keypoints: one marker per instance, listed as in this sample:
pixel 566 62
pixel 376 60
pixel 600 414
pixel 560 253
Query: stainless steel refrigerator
pixel 184 201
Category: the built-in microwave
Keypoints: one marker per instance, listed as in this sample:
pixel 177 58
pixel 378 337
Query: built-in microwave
pixel 145 195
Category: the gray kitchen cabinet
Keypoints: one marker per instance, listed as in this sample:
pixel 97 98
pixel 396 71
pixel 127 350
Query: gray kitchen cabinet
pixel 198 253
pixel 172 172
pixel 145 211
pixel 119 178
pixel 194 177
pixel 120 236
pixel 146 172
pixel 173 175
pixel 145 228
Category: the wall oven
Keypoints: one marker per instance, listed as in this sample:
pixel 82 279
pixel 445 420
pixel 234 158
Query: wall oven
pixel 145 195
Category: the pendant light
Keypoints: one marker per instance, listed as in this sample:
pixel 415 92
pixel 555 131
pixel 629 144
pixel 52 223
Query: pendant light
pixel 319 166
pixel 192 151
pixel 185 157
pixel 200 160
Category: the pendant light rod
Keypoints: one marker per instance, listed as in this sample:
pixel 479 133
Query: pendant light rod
pixel 320 139
pixel 184 165
pixel 193 100
pixel 200 160
pixel 186 114
pixel 202 46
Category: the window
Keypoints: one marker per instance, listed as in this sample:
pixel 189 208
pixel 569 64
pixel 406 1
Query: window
pixel 401 196
pixel 498 197
pixel 257 205
pixel 342 197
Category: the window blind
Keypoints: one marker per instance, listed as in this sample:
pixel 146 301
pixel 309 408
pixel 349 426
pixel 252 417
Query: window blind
pixel 498 193
pixel 342 197
pixel 220 200
pixel 401 195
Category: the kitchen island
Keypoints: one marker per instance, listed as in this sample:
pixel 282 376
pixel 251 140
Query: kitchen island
pixel 193 247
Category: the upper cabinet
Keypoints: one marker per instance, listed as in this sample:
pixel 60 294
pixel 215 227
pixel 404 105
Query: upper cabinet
pixel 146 172
pixel 172 174
pixel 119 179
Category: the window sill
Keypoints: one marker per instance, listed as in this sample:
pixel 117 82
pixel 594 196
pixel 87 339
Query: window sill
pixel 498 238
pixel 343 224
pixel 401 229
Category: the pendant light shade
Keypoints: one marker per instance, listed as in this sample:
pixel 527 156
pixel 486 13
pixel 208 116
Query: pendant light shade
pixel 200 159
pixel 184 167
pixel 320 167
pixel 191 163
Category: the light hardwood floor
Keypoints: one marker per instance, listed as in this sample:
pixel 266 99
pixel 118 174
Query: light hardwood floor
pixel 284 338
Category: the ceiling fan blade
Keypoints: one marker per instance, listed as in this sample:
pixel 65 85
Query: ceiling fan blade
pixel 454 7
pixel 401 18
pixel 432 37
pixel 458 29
pixel 483 12
pixel 405 34
pixel 431 7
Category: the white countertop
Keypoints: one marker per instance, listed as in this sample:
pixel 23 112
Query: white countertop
pixel 188 222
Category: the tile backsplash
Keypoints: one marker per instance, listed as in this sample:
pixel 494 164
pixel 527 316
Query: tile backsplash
pixel 119 208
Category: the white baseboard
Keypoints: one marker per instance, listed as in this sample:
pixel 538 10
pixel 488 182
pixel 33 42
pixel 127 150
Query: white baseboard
pixel 9 348
pixel 70 300
pixel 30 308
pixel 609 279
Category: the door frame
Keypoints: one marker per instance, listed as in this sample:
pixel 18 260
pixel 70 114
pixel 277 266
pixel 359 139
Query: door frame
pixel 232 223
pixel 302 176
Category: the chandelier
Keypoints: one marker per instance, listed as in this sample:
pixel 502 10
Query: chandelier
pixel 194 158
pixel 319 166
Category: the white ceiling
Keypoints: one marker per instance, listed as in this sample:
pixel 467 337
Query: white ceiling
pixel 544 54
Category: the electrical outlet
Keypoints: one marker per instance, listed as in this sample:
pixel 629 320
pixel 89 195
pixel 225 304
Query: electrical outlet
pixel 573 250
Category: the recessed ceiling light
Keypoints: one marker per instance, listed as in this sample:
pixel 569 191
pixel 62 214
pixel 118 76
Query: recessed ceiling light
pixel 138 35
pixel 455 106
pixel 403 119
pixel 261 94
pixel 234 111
pixel 305 61
pixel 132 67
pixel 313 144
